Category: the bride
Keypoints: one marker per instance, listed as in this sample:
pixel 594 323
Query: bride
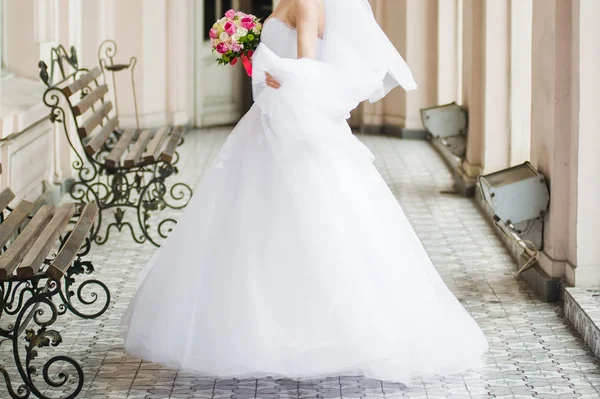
pixel 293 258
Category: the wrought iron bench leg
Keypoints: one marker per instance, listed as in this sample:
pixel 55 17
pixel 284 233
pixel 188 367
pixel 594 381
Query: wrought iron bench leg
pixel 40 291
pixel 144 192
pixel 93 289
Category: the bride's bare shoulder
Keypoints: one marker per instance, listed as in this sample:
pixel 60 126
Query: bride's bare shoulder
pixel 308 7
pixel 308 3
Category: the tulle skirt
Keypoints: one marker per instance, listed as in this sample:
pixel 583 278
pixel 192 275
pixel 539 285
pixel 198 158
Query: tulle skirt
pixel 294 259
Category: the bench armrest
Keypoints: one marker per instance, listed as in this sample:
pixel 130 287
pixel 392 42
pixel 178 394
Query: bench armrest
pixel 69 251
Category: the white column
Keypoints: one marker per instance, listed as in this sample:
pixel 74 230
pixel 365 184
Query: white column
pixel 157 33
pixel 154 60
pixel 180 71
pixel 472 77
pixel 495 88
pixel 421 55
pixel 66 12
pixel 521 25
pixel 588 190
pixel 459 49
pixel 554 125
pixel 447 58
pixel 486 72
pixel 90 37
pixel 74 23
pixel 411 25
pixel 45 26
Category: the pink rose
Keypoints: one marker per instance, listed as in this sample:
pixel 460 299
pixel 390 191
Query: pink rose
pixel 247 23
pixel 230 14
pixel 222 48
pixel 236 47
pixel 230 28
pixel 213 33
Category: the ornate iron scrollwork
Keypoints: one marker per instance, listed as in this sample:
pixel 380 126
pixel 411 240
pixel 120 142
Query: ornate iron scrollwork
pixel 129 193
pixel 106 59
pixel 39 301
pixel 58 57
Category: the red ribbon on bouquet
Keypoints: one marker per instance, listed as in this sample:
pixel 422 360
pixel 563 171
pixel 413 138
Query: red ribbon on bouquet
pixel 246 61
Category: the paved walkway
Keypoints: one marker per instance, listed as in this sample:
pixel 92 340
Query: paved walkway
pixel 534 353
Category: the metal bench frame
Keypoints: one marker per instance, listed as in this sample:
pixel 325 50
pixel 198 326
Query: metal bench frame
pixel 141 187
pixel 39 295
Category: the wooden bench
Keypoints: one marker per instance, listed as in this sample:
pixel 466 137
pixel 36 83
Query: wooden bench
pixel 117 168
pixel 133 147
pixel 36 286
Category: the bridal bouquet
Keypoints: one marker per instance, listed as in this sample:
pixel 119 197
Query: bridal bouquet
pixel 236 36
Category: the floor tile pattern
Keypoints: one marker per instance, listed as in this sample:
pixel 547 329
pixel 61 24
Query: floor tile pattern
pixel 534 352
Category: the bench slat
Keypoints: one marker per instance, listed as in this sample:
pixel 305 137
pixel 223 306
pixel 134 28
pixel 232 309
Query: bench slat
pixel 155 145
pixel 9 227
pixel 82 82
pixel 134 156
pixel 167 155
pixel 6 197
pixel 114 158
pixel 89 100
pixel 67 254
pixel 94 120
pixel 97 140
pixel 18 249
pixel 45 241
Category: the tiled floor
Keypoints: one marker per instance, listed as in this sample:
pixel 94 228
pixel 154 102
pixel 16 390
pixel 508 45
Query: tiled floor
pixel 534 353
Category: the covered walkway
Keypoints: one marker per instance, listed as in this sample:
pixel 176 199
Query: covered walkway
pixel 534 351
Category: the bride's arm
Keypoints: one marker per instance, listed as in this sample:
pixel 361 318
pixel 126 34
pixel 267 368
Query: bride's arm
pixel 307 25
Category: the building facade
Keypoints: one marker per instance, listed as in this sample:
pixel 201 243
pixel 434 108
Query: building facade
pixel 526 71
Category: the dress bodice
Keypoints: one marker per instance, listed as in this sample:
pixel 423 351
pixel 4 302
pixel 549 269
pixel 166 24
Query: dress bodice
pixel 282 38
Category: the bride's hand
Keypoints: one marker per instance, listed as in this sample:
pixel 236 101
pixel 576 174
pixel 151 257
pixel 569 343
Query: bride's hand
pixel 272 82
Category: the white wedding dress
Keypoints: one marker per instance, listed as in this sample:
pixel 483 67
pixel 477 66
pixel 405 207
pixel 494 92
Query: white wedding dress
pixel 294 258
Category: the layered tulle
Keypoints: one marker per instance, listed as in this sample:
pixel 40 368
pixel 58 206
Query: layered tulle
pixel 310 86
pixel 294 259
pixel 355 45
